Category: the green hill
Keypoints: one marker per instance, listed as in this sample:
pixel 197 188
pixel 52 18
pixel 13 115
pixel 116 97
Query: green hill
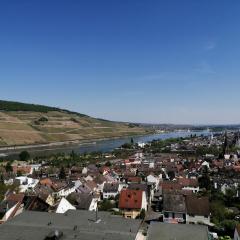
pixel 17 106
pixel 22 124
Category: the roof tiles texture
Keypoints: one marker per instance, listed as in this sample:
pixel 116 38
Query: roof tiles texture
pixel 130 199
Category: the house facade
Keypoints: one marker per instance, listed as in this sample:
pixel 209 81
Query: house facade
pixel 174 208
pixel 110 190
pixel 198 210
pixel 132 202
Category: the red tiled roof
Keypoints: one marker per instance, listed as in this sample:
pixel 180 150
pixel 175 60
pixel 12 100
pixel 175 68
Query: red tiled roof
pixel 46 182
pixel 22 169
pixel 130 199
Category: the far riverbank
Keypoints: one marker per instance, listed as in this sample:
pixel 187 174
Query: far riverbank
pixel 95 145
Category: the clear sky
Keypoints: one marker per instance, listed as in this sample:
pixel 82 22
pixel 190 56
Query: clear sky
pixel 131 60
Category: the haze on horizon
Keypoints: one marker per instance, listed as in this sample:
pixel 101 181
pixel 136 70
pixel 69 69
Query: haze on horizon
pixel 140 61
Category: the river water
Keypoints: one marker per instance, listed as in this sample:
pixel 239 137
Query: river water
pixel 104 145
pixel 109 145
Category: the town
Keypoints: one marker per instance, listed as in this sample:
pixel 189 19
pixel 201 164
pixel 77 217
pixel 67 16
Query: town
pixel 178 188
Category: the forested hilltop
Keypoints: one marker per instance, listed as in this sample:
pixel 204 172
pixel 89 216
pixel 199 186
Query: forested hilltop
pixel 18 106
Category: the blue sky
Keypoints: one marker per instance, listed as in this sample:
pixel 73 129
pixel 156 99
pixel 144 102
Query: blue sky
pixel 130 60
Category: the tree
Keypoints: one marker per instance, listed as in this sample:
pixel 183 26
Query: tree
pixel 24 156
pixel 229 226
pixel 218 211
pixel 43 119
pixel 108 164
pixel 142 214
pixel 73 155
pixel 62 174
pixel 106 205
pixel 19 173
pixel 127 146
pixel 171 174
pixel 8 167
pixel 1 179
pixel 204 181
pixel 225 145
pixel 230 195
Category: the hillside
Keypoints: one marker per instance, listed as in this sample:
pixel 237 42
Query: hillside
pixel 23 124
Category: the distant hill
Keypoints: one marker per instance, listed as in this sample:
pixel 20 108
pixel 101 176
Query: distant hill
pixel 17 106
pixel 23 124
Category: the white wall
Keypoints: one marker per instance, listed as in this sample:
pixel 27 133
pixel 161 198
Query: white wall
pixel 64 206
pixel 144 201
pixel 236 235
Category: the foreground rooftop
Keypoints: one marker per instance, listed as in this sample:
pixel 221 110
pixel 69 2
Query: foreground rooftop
pixel 166 231
pixel 72 225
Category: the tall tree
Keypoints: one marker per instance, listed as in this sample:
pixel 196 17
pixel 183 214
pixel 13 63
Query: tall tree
pixel 225 144
pixel 62 174
pixel 8 167
pixel 24 156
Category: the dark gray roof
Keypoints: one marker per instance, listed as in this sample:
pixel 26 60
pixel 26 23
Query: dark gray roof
pixel 83 189
pixel 167 231
pixel 73 224
pixel 174 203
pixel 6 205
pixel 138 186
pixel 110 187
pixel 82 200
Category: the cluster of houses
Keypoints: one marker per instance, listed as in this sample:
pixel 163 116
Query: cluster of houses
pixel 155 187
pixel 138 184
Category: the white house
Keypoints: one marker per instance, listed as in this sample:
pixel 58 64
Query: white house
pixel 26 183
pixel 35 167
pixel 64 191
pixel 141 145
pixel 85 170
pixel 110 190
pixel 153 180
pixel 64 205
pixel 88 178
pixel 206 164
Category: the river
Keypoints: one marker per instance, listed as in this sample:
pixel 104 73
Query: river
pixel 103 145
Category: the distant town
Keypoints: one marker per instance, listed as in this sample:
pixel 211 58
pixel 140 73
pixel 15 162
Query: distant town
pixel 174 188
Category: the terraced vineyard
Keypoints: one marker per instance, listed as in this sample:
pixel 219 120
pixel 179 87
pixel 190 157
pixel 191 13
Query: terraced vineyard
pixel 46 125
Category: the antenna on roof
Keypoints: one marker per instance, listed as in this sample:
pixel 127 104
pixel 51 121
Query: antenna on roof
pixel 97 220
pixel 96 213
